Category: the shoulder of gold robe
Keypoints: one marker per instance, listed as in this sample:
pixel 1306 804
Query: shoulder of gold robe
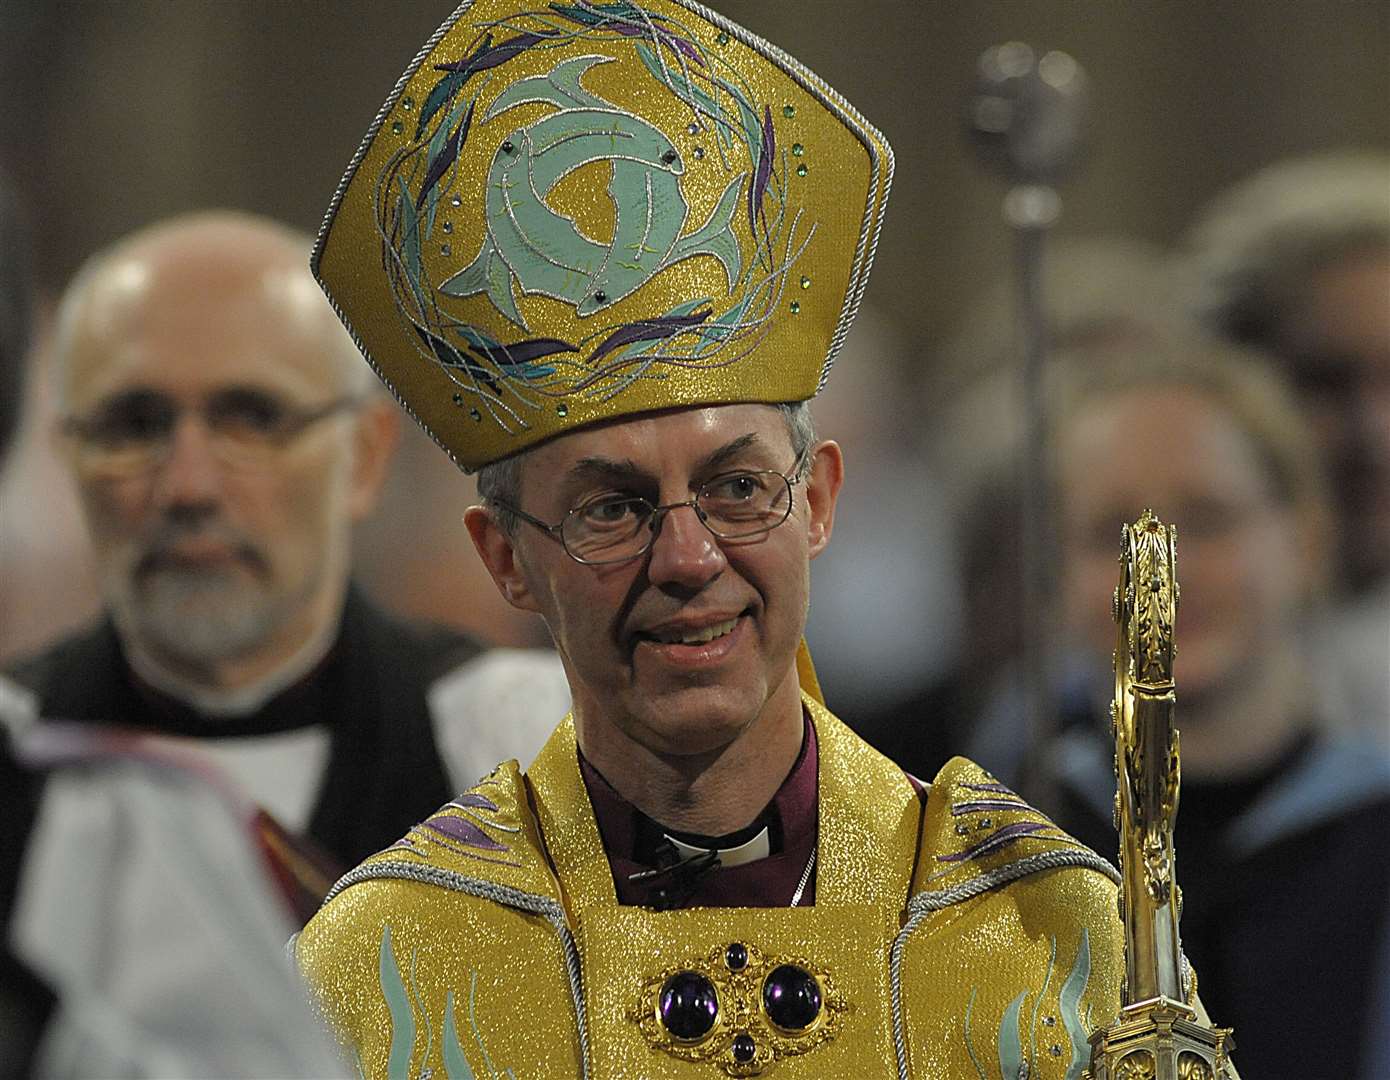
pixel 1011 952
pixel 452 947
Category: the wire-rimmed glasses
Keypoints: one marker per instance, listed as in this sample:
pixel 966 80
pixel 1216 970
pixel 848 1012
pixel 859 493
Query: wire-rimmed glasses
pixel 132 432
pixel 617 527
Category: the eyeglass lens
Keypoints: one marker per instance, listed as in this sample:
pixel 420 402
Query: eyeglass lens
pixel 736 506
pixel 132 429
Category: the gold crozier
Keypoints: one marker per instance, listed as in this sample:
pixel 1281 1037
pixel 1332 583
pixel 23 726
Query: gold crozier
pixel 1158 1035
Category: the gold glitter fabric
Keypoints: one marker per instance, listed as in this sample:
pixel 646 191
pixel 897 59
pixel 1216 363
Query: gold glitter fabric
pixel 967 938
pixel 1012 952
pixel 570 212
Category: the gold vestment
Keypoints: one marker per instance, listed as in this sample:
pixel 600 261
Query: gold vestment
pixel 967 937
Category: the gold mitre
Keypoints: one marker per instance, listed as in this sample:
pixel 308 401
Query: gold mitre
pixel 572 212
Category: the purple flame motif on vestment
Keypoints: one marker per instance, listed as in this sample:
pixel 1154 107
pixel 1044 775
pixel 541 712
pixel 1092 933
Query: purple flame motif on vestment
pixel 462 831
pixel 976 805
pixel 663 326
pixel 763 175
pixel 1001 837
pixel 629 20
pixel 448 153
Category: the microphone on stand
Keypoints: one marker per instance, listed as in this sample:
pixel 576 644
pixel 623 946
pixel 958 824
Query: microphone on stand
pixel 1027 117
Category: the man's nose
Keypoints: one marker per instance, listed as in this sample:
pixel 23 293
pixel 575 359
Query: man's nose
pixel 190 473
pixel 684 552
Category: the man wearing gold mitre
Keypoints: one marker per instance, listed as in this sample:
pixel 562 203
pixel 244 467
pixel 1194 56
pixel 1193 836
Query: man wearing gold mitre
pixel 604 254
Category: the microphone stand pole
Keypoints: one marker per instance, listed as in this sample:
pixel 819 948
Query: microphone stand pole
pixel 1026 121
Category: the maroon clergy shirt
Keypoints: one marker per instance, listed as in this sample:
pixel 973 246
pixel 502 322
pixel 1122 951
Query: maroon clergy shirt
pixel 635 843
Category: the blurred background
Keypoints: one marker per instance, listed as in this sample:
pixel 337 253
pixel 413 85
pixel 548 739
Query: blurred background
pixel 120 113
pixel 1275 465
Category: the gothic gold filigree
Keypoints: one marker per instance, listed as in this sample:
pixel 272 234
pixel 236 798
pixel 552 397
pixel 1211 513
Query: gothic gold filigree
pixel 1151 742
pixel 1139 1065
pixel 1191 1067
pixel 1157 1035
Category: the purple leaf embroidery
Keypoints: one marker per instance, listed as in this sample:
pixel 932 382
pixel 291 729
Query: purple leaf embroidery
pixel 610 16
pixel 987 804
pixel 462 831
pixel 997 839
pixel 663 326
pixel 484 59
pixel 671 41
pixel 763 174
pixel 474 800
pixel 523 352
pixel 445 89
pixel 450 150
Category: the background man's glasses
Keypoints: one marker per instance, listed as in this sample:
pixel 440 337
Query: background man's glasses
pixel 134 431
pixel 616 528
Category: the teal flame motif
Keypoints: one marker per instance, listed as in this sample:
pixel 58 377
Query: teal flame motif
pixel 1017 1062
pixel 403 1004
pixel 532 248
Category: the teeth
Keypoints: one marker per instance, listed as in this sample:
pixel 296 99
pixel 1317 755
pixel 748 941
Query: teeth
pixel 697 637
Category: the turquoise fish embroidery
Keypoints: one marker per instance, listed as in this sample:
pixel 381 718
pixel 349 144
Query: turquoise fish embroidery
pixel 544 251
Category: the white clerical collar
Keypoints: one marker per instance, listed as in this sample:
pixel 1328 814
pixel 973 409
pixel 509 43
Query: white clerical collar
pixel 242 700
pixel 760 847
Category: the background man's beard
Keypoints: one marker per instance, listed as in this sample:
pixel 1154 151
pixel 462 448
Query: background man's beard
pixel 199 617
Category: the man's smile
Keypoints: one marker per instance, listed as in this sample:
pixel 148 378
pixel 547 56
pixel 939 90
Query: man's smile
pixel 692 642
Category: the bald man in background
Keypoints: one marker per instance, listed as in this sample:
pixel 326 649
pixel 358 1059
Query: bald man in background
pixel 141 915
pixel 224 438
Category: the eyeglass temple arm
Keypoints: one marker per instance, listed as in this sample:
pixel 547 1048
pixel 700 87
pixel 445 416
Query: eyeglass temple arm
pixel 554 530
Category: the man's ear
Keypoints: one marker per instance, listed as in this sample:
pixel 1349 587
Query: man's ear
pixel 498 552
pixel 376 433
pixel 824 475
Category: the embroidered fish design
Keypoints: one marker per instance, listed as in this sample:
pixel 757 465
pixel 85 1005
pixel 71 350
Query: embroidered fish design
pixel 544 251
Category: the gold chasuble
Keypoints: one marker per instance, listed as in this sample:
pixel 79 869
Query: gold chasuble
pixel 968 937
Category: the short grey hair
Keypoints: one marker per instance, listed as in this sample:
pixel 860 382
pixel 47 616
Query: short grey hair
pixel 1257 244
pixel 499 484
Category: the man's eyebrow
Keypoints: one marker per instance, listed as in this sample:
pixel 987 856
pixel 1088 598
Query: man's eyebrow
pixel 600 468
pixel 127 397
pixel 613 469
pixel 728 452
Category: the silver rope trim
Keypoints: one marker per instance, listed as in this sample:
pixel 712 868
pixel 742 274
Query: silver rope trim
pixel 928 903
pixel 550 910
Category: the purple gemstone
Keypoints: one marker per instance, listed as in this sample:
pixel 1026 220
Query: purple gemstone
pixel 688 1005
pixel 791 997
pixel 744 1048
pixel 736 956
